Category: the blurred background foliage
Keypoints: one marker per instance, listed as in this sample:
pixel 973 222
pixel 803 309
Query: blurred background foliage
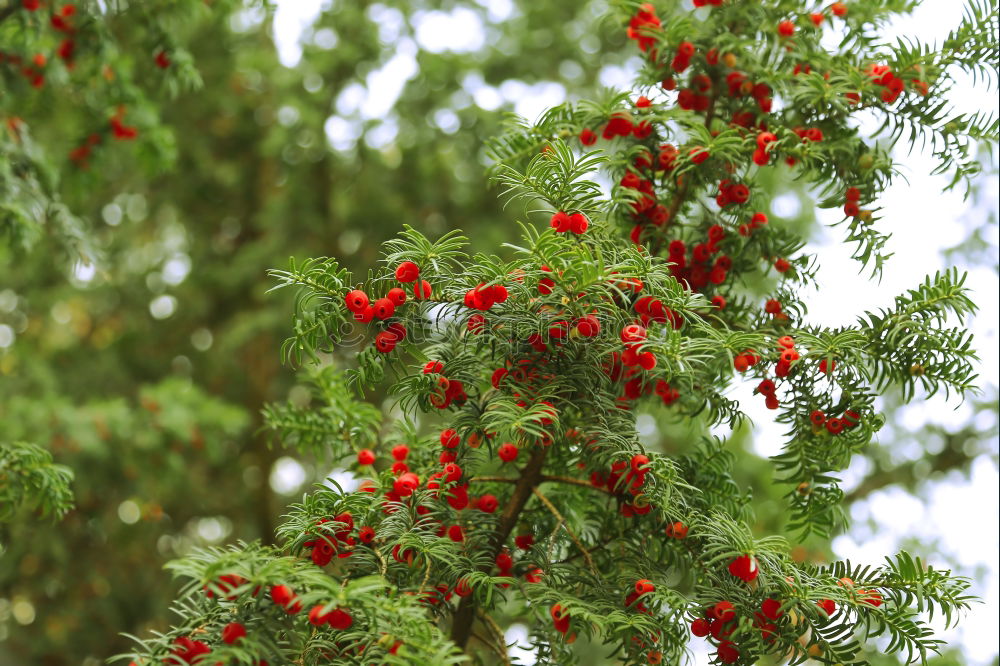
pixel 140 346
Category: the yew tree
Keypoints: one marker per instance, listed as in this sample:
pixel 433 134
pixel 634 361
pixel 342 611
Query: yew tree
pixel 505 479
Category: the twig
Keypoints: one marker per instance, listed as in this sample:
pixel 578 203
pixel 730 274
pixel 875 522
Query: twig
pixel 572 535
pixel 577 482
pixel 501 647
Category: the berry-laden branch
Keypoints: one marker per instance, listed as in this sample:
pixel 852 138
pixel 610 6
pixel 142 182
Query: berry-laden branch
pixel 540 359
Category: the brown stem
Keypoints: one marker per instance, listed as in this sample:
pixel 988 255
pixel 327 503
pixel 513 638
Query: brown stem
pixel 531 476
pixel 572 535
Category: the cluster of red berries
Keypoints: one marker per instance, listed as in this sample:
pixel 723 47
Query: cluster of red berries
pixel 484 297
pixel 563 222
pixel 339 542
pixel 119 129
pixel 746 360
pixel 892 86
pixel 189 651
pixel 834 425
pixel 732 193
pixel 702 269
pixel 446 391
pixel 358 302
pixel 642 588
pixel 33 71
pixel 61 21
pixel 626 479
pixel 852 197
pixel 338 618
pixel 772 306
pixel 642 24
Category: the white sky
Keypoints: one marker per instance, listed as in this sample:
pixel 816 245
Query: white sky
pixel 962 516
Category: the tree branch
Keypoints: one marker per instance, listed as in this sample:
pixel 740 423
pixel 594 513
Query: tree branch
pixel 531 476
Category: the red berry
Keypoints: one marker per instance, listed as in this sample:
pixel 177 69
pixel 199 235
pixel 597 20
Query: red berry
pixel 504 562
pixel 433 367
pixel 786 28
pixel 366 534
pixel 450 439
pixel 456 533
pixel 839 9
pixel 588 137
pixel 828 606
pixel 700 627
pixel 452 472
pixel 728 654
pixel 384 308
pixel 340 619
pixel 771 608
pixel 233 632
pixel 366 457
pixel 781 265
pixel 578 223
pixel 817 418
pixel 400 452
pixel 407 272
pixel 699 154
pixel 744 567
pixel 559 222
pixel 421 290
pixel 723 611
pixel 487 503
pixel 356 301
pixel 507 452
pixel 644 586
pixel 524 541
pixel 317 617
pixel 677 530
pixel 406 484
pixel 397 296
pixel 385 342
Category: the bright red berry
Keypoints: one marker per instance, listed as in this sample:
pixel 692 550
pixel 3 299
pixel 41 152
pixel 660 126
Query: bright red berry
pixel 233 632
pixel 356 301
pixel 507 452
pixel 450 439
pixel 744 567
pixel 407 272
pixel 366 457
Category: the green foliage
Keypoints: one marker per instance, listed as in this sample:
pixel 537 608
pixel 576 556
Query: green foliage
pixel 331 424
pixel 29 479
